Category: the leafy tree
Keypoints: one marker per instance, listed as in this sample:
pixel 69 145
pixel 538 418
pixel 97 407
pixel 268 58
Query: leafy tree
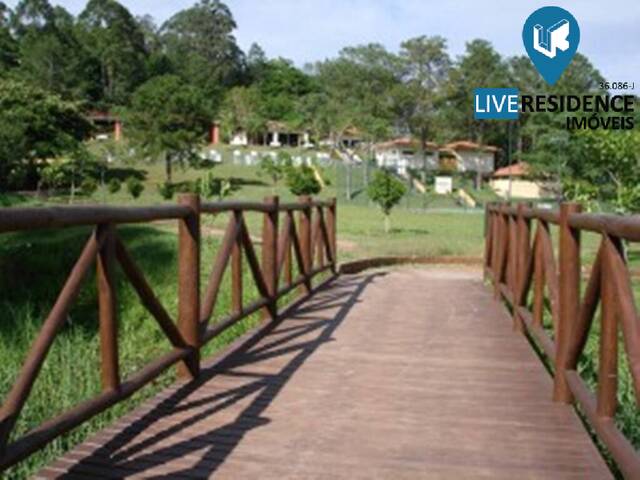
pixel 386 191
pixel 50 55
pixel 275 168
pixel 8 45
pixel 480 66
pixel 302 180
pixel 241 111
pixel 34 126
pixel 280 87
pixel 116 40
pixel 426 66
pixel 608 160
pixel 169 119
pixel 77 168
pixel 200 41
pixel 356 91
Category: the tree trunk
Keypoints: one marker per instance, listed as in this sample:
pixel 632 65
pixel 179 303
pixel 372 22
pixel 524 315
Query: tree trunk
pixel 387 223
pixel 168 166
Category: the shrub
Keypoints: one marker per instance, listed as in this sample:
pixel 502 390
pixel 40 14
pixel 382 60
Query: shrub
pixel 114 185
pixel 166 190
pixel 386 191
pixel 89 186
pixel 302 181
pixel 134 187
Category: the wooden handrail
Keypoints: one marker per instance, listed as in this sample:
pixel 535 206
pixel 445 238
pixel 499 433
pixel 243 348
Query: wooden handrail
pixel 191 331
pixel 515 261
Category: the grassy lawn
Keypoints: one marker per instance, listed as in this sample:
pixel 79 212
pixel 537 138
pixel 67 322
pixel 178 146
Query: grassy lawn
pixel 34 268
pixel 35 264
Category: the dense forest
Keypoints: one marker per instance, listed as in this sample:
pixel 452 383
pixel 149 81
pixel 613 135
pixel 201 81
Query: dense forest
pixel 170 81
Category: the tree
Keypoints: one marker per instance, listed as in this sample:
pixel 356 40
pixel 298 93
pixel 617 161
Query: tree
pixel 280 88
pixel 386 191
pixel 78 167
pixel 609 161
pixel 50 55
pixel 356 91
pixel 8 45
pixel 168 118
pixel 480 66
pixel 241 111
pixel 426 66
pixel 200 41
pixel 275 168
pixel 302 180
pixel 116 40
pixel 34 126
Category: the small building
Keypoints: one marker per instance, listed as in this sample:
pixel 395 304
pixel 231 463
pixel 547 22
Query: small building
pixel 403 154
pixel 105 125
pixel 472 157
pixel 275 134
pixel 515 181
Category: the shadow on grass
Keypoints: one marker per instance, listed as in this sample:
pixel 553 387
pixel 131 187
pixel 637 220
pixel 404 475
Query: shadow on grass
pixel 123 173
pixel 412 231
pixel 35 266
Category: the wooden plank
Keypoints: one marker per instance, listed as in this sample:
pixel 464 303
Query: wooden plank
pixel 446 390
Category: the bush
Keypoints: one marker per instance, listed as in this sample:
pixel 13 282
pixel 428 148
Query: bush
pixel 302 181
pixel 89 186
pixel 166 190
pixel 386 191
pixel 134 187
pixel 114 186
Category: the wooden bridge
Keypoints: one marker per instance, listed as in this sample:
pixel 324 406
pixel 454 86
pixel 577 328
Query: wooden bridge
pixel 386 373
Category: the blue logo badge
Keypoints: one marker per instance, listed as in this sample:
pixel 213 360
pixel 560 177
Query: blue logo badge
pixel 495 103
pixel 551 36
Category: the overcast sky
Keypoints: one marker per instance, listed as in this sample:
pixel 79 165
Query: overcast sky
pixel 310 30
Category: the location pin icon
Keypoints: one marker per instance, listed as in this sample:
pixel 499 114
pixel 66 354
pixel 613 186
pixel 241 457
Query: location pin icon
pixel 551 36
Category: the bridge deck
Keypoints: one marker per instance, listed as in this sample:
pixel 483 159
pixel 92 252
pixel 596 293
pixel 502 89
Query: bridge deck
pixel 411 373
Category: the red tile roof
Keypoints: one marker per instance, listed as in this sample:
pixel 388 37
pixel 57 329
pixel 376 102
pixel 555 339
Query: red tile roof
pixel 516 170
pixel 467 145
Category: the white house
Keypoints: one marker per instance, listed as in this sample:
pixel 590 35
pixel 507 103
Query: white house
pixel 463 156
pixel 472 157
pixel 403 154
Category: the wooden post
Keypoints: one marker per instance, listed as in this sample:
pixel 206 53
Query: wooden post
pixel 107 306
pixel 608 360
pixel 236 269
pixel 523 239
pixel 305 241
pixel 189 284
pixel 270 254
pixel 488 240
pixel 332 230
pixel 538 278
pixel 569 265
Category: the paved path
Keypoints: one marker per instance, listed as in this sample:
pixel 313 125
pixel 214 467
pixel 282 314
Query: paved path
pixel 410 373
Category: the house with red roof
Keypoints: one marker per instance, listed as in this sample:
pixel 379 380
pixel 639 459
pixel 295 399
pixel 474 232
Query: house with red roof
pixel 517 181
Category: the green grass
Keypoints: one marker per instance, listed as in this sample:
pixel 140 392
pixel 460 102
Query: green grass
pixel 34 267
pixel 35 264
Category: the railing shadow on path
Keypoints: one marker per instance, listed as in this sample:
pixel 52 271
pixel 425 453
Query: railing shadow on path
pixel 119 454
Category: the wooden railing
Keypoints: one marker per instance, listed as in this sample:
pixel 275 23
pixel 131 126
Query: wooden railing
pixel 312 243
pixel 517 259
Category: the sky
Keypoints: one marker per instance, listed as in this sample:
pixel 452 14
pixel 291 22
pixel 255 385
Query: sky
pixel 310 30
